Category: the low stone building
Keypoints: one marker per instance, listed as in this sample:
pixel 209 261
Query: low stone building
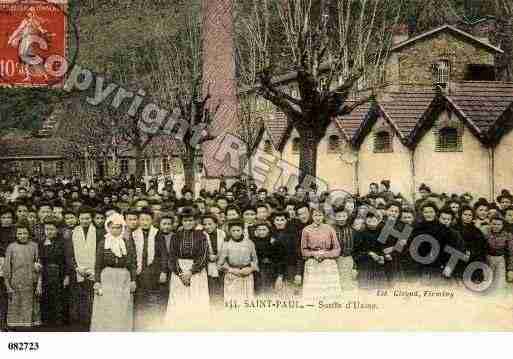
pixel 441 120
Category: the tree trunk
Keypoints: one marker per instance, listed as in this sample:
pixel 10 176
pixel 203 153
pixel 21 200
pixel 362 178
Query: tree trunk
pixel 139 161
pixel 309 143
pixel 508 50
pixel 505 60
pixel 189 173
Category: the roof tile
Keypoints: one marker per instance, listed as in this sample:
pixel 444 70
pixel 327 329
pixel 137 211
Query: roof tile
pixel 482 102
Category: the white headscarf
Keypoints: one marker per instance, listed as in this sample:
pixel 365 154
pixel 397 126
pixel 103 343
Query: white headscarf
pixel 115 244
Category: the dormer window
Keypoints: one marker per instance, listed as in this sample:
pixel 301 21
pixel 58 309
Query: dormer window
pixel 448 140
pixel 166 166
pixel 295 145
pixel 124 166
pixel 441 72
pixel 383 142
pixel 449 134
pixel 333 144
pixel 59 167
pixel 268 147
pixel 323 84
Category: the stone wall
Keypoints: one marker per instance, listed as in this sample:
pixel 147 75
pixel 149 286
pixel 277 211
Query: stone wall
pixel 413 63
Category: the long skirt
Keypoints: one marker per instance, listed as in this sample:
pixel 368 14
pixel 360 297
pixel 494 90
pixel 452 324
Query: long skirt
pixel 81 305
pixel 52 298
pixel 372 278
pixel 3 306
pixel 498 266
pixel 24 309
pixel 238 288
pixel 188 299
pixel 321 280
pixel 216 290
pixel 148 309
pixel 345 272
pixel 264 280
pixel 114 309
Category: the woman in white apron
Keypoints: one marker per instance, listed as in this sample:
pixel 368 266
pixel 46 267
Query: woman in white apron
pixel 320 248
pixel 113 308
pixel 188 259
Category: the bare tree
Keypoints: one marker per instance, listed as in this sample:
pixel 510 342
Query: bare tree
pixel 177 82
pixel 331 46
pixel 250 125
pixel 504 36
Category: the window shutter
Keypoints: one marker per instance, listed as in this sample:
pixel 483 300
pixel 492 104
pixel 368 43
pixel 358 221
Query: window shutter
pixel 382 142
pixel 333 144
pixel 124 166
pixel 268 147
pixel 448 139
pixel 295 145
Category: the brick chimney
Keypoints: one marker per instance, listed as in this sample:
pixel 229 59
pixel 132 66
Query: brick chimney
pixel 400 34
pixel 219 79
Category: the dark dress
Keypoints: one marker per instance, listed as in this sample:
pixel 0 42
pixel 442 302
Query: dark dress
pixel 216 284
pixel 66 292
pixel 163 240
pixel 432 271
pixel 51 254
pixel 371 275
pixel 291 238
pixel 148 300
pixel 81 293
pixel 264 277
pixel 477 247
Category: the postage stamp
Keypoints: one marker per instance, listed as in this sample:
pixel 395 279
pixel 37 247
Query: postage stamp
pixel 33 43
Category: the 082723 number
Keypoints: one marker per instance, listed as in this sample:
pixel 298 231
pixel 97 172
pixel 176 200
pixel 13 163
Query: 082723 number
pixel 23 346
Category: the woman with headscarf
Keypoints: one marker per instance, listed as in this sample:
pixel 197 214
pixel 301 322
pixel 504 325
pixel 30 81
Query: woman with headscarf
pixel 114 279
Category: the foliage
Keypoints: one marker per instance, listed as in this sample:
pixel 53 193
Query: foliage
pixel 24 108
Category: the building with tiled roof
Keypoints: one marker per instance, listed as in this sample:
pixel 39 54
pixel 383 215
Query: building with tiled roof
pixel 442 120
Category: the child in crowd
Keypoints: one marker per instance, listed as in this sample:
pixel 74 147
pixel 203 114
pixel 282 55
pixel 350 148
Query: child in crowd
pixel 51 253
pixel 22 280
pixel 216 238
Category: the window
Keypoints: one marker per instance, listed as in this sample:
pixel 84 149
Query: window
pixel 166 166
pixel 333 143
pixel 295 145
pixel 323 84
pixel 268 147
pixel 441 72
pixel 100 166
pixel 480 72
pixel 382 142
pixel 59 167
pixel 124 166
pixel 448 140
pixel 148 167
pixel 16 167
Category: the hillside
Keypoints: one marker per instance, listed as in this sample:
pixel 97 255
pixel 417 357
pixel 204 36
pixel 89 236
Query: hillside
pixel 115 37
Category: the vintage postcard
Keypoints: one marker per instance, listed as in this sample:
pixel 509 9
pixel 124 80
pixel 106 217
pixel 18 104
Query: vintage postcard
pixel 256 165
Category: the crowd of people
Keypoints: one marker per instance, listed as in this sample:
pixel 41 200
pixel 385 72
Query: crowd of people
pixel 123 255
